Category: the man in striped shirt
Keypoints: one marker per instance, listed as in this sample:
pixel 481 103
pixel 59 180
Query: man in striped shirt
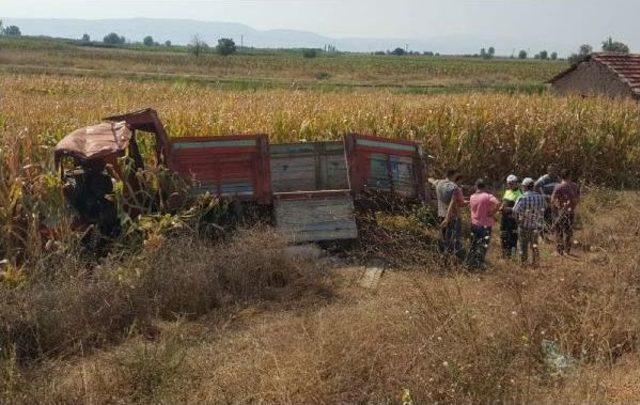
pixel 529 211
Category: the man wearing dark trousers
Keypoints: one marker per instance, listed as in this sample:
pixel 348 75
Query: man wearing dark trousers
pixel 483 206
pixel 565 200
pixel 508 222
pixel 450 200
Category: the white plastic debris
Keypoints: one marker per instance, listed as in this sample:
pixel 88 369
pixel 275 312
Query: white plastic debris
pixel 555 359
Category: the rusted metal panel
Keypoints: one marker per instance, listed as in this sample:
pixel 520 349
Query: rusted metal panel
pixel 97 142
pixel 316 216
pixel 383 164
pixel 229 166
pixel 308 166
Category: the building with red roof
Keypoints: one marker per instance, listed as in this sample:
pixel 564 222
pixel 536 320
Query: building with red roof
pixel 611 74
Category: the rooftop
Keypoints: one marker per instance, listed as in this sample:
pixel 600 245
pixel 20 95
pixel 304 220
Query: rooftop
pixel 626 66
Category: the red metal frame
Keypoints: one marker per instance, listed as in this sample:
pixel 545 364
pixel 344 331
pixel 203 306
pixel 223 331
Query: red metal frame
pixel 298 195
pixel 359 161
pixel 257 155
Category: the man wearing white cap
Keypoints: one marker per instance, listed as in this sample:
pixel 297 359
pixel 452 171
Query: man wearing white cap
pixel 529 210
pixel 508 223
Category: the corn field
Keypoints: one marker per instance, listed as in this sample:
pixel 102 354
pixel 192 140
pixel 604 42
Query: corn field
pixel 481 134
pixel 488 135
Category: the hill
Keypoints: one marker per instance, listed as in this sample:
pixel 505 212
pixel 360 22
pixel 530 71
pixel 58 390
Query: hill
pixel 181 31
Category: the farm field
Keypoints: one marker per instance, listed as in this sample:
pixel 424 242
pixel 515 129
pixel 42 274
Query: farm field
pixel 172 317
pixel 279 68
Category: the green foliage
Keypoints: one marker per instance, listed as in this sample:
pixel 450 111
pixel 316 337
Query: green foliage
pixel 522 54
pixel 86 38
pixel 12 31
pixel 310 53
pixel 583 53
pixel 113 39
pixel 614 46
pixel 167 43
pixel 148 41
pixel 398 52
pixel 488 54
pixel 226 47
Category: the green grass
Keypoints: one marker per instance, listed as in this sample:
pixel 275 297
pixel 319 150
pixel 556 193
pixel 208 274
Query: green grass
pixel 278 68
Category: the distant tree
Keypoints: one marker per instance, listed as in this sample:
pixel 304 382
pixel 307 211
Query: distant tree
pixel 398 52
pixel 554 55
pixel 614 46
pixel 12 31
pixel 523 54
pixel 428 53
pixel 198 46
pixel 309 53
pixel 1 27
pixel 113 39
pixel 86 38
pixel 148 41
pixel 226 47
pixel 332 49
pixel 483 52
pixel 585 50
pixel 380 53
pixel 492 51
pixel 544 55
pixel 167 43
pixel 583 53
pixel 536 56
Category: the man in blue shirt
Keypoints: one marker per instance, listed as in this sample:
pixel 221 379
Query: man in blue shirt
pixel 530 210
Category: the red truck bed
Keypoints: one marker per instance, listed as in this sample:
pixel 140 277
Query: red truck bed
pixel 227 166
pixel 383 164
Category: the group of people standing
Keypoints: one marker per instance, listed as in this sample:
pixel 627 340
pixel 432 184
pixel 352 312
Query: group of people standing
pixel 529 210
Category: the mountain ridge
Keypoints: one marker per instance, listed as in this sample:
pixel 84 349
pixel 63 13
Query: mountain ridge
pixel 181 31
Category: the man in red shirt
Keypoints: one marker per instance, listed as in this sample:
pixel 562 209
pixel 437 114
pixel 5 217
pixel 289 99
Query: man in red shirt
pixel 565 200
pixel 484 207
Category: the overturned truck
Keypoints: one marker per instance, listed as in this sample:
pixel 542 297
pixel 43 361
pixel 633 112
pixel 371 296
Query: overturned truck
pixel 310 187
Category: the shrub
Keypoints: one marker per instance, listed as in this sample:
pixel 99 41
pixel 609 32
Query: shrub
pixel 226 47
pixel 12 31
pixel 113 39
pixel 309 53
pixel 197 46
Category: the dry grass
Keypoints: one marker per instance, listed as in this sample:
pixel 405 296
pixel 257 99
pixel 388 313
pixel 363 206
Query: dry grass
pixel 190 321
pixel 78 308
pixel 453 338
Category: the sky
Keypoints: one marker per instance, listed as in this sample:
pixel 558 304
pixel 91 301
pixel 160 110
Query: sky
pixel 560 22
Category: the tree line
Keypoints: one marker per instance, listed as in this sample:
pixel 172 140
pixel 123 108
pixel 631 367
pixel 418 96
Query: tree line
pixel 227 46
pixel 10 30
pixel 585 50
